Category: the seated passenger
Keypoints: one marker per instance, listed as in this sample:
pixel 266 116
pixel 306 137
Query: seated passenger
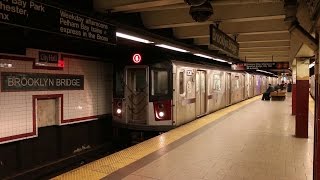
pixel 266 95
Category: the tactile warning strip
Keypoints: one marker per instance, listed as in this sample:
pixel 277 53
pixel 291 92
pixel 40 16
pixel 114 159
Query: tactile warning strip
pixel 109 164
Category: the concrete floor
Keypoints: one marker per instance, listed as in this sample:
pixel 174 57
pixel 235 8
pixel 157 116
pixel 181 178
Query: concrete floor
pixel 255 142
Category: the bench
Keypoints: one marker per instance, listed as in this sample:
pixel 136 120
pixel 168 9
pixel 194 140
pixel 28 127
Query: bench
pixel 278 95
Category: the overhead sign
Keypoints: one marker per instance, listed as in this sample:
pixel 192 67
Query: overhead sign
pixel 14 81
pixel 222 41
pixel 35 15
pixel 260 65
pixel 48 57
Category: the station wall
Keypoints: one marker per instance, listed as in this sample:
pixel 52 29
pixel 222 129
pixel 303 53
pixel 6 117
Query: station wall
pixel 24 111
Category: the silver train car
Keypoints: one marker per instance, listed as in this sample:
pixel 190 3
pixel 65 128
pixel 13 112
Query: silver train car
pixel 165 95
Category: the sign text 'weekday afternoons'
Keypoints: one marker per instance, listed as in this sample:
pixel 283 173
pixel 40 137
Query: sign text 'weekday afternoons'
pixel 39 16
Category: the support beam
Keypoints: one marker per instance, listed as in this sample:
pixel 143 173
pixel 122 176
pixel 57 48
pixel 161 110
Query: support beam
pixel 259 48
pixel 259 27
pixel 294 89
pixel 279 53
pixel 205 41
pixel 302 109
pixel 126 5
pixel 316 162
pixel 264 49
pixel 232 13
pixel 264 44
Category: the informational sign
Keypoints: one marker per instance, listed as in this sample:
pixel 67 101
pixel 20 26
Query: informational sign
pixel 48 57
pixel 222 41
pixel 260 65
pixel 35 15
pixel 15 81
pixel 136 58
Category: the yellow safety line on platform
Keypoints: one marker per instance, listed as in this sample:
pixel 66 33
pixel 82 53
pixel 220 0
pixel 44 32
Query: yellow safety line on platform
pixel 109 164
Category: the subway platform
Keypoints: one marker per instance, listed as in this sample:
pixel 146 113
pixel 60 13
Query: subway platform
pixel 251 140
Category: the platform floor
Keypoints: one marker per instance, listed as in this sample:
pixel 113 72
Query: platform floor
pixel 250 140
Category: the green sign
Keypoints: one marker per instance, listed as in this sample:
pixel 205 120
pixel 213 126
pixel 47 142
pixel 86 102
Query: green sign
pixel 15 81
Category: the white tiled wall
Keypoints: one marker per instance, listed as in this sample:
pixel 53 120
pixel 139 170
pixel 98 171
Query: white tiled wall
pixel 16 109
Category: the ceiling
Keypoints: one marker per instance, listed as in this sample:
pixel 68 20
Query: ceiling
pixel 258 24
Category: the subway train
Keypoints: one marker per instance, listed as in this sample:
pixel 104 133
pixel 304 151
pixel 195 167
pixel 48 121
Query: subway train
pixel 162 96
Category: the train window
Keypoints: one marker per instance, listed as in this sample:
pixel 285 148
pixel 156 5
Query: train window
pixel 216 82
pixel 237 84
pixel 140 79
pixel 119 84
pixel 181 82
pixel 159 82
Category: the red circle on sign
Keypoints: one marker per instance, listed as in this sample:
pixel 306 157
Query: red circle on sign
pixel 136 58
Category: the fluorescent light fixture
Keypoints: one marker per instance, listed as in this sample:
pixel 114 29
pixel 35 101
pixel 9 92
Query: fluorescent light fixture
pixel 209 57
pixel 171 48
pixel 204 56
pixel 220 60
pixel 264 71
pixel 311 65
pixel 133 38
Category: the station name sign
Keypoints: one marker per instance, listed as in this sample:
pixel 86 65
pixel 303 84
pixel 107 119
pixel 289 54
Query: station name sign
pixel 222 41
pixel 48 57
pixel 14 81
pixel 260 65
pixel 39 16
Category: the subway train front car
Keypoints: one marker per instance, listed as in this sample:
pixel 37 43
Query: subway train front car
pixel 146 101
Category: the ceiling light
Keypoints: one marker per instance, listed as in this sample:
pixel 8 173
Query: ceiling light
pixel 264 71
pixel 171 48
pixel 311 65
pixel 221 60
pixel 209 57
pixel 204 56
pixel 133 38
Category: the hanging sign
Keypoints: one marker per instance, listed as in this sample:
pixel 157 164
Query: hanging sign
pixel 39 16
pixel 221 41
pixel 15 81
pixel 260 65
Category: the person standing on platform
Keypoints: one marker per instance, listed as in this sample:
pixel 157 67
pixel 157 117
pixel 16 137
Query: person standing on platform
pixel 266 95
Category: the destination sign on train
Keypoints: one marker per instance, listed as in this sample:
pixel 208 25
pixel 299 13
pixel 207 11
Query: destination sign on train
pixel 39 16
pixel 260 65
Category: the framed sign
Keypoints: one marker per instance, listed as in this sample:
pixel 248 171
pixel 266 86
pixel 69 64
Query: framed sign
pixel 221 41
pixel 16 81
pixel 39 16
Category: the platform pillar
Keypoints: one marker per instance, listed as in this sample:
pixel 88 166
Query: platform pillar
pixel 302 98
pixel 294 90
pixel 316 160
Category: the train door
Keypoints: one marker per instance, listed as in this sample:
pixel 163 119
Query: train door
pixel 228 89
pixel 201 100
pixel 137 94
pixel 245 88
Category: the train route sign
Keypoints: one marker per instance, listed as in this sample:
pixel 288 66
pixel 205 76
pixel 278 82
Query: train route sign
pixel 39 16
pixel 260 65
pixel 15 81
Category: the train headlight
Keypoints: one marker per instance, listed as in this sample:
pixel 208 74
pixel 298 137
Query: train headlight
pixel 119 111
pixel 161 114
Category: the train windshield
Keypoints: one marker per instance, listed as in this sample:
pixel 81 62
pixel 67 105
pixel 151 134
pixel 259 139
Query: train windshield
pixel 159 82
